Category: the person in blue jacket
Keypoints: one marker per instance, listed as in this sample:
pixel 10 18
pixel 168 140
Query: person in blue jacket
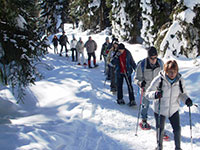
pixel 125 65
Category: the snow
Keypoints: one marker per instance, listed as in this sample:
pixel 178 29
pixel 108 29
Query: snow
pixel 184 16
pixel 72 108
pixel 21 22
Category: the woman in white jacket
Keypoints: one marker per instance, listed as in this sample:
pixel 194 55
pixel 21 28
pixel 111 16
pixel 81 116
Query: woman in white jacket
pixel 168 88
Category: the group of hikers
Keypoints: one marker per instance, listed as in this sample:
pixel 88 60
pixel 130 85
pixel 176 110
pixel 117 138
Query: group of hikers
pixel 77 49
pixel 158 82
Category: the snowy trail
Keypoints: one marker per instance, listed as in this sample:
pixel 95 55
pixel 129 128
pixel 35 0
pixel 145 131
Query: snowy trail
pixel 72 109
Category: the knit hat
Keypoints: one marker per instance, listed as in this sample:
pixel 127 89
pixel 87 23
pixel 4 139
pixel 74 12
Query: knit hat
pixel 115 40
pixel 152 51
pixel 121 46
pixel 107 38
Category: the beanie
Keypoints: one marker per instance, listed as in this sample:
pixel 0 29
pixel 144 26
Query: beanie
pixel 121 46
pixel 152 51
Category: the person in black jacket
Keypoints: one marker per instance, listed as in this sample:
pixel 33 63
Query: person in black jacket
pixel 125 65
pixel 55 44
pixel 63 42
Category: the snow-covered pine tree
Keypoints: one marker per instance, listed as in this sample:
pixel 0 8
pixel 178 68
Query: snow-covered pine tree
pixel 181 35
pixel 155 13
pixel 125 17
pixel 20 44
pixel 92 14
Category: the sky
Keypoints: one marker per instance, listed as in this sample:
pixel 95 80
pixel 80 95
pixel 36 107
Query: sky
pixel 72 108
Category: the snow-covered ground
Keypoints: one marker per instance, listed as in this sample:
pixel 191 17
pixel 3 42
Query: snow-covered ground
pixel 72 108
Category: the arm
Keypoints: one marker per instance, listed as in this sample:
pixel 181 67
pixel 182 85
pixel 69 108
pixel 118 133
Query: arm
pixel 151 90
pixel 139 77
pixel 183 96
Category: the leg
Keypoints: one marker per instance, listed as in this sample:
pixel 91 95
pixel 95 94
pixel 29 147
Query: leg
pixel 76 54
pixel 120 86
pixel 66 51
pixel 145 107
pixel 112 82
pixel 89 60
pixel 130 88
pixel 94 58
pixel 159 135
pixel 72 54
pixel 175 122
pixel 61 50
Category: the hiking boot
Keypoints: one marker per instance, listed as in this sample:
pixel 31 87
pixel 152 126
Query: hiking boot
pixel 120 101
pixel 144 125
pixel 132 103
pixel 85 64
pixel 96 65
pixel 79 63
pixel 89 67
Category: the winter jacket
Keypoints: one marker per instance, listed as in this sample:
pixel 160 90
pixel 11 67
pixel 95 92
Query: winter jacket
pixel 91 46
pixel 147 73
pixel 110 57
pixel 170 101
pixel 55 41
pixel 73 43
pixel 105 48
pixel 63 40
pixel 80 46
pixel 130 64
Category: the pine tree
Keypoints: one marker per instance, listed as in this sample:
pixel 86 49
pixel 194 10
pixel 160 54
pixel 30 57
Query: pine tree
pixel 20 44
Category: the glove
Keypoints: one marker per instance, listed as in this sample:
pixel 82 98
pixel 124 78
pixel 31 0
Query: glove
pixel 143 84
pixel 158 94
pixel 100 57
pixel 117 55
pixel 188 102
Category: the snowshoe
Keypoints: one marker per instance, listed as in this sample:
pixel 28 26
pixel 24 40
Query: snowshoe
pixel 120 101
pixel 166 137
pixel 144 125
pixel 96 66
pixel 132 103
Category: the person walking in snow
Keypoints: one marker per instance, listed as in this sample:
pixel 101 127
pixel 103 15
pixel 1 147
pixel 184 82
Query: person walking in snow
pixel 166 90
pixel 73 48
pixel 55 44
pixel 146 71
pixel 91 47
pixel 80 50
pixel 63 42
pixel 125 65
pixel 111 67
pixel 104 52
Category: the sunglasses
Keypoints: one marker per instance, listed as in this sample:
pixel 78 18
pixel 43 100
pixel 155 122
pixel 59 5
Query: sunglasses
pixel 153 58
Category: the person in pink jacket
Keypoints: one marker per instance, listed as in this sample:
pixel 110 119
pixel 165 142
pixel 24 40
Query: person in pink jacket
pixel 166 90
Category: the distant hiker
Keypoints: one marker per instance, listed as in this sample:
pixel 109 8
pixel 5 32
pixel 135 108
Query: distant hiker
pixel 63 42
pixel 55 44
pixel 80 50
pixel 125 65
pixel 73 48
pixel 146 71
pixel 104 52
pixel 110 56
pixel 91 47
pixel 166 90
pixel 46 44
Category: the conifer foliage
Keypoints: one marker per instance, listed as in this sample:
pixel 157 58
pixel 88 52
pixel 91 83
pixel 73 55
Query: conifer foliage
pixel 20 44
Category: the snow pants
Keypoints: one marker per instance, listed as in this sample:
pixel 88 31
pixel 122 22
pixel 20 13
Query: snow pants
pixel 175 123
pixel 120 79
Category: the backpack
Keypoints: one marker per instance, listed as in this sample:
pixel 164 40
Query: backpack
pixel 143 63
pixel 180 85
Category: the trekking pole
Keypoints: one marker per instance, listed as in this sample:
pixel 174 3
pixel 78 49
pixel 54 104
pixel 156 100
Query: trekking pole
pixel 158 134
pixel 190 127
pixel 126 76
pixel 141 96
pixel 105 82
